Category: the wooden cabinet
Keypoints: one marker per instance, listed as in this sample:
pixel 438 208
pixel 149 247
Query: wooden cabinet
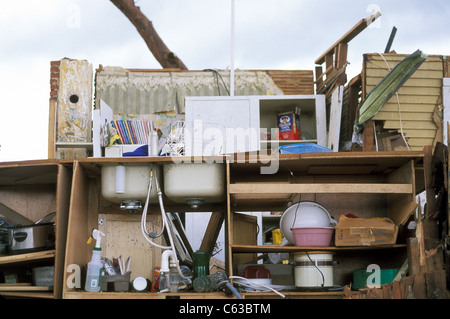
pixel 29 191
pixel 362 184
pixel 227 125
pixel 89 210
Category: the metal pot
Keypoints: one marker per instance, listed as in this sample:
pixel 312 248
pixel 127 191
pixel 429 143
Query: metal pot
pixel 36 237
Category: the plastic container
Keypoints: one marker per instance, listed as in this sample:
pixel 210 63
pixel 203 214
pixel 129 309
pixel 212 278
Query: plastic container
pixel 258 271
pixel 276 237
pixel 313 236
pixel 303 148
pixel 209 283
pixel 94 272
pixel 201 264
pixel 307 214
pixel 116 283
pixel 360 277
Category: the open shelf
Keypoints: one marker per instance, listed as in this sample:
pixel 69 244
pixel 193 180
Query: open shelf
pixel 40 255
pixel 292 249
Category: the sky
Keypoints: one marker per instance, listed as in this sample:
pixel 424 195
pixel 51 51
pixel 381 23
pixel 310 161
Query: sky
pixel 269 34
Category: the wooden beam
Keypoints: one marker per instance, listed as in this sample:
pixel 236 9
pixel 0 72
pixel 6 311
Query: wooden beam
pixel 211 233
pixel 350 35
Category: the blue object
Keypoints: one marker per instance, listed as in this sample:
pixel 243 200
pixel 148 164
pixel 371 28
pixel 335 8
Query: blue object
pixel 303 148
pixel 140 151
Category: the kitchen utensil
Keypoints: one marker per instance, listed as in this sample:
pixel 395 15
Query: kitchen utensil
pixel 313 236
pixel 23 239
pixel 304 214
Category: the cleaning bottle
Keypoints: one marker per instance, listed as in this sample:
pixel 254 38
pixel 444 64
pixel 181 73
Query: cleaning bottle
pixel 94 269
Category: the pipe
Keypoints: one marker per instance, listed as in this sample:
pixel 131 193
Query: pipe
pixel 166 255
pixel 233 290
pixel 165 223
pixel 232 50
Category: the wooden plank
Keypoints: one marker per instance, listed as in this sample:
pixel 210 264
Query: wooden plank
pixel 13 216
pixel 350 35
pixel 413 256
pixel 394 116
pixel 63 188
pixel 405 108
pixel 369 137
pixel 212 232
pixel 424 73
pixel 335 188
pixel 410 125
pixel 411 83
pixel 51 129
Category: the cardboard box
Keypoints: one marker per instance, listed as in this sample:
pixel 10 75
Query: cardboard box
pixel 288 124
pixel 365 232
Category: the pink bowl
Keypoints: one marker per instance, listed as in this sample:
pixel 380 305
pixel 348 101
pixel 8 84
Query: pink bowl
pixel 313 236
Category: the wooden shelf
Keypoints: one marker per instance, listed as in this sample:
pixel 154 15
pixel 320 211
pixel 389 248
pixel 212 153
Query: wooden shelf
pixel 288 141
pixel 144 295
pixel 40 255
pixel 329 188
pixel 292 249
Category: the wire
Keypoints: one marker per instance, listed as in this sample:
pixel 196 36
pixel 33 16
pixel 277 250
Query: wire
pixel 256 284
pixel 217 75
pixel 398 103
pixel 314 264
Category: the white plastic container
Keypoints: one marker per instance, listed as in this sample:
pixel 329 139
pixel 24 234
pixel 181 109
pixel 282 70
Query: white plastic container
pixel 313 271
pixel 194 183
pixel 128 181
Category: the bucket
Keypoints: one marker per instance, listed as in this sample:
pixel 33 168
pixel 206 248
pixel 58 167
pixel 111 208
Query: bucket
pixel 313 269
pixel 313 236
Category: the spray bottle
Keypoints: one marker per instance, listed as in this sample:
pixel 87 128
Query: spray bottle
pixel 94 269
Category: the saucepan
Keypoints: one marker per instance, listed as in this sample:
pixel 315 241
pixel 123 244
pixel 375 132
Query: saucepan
pixel 31 238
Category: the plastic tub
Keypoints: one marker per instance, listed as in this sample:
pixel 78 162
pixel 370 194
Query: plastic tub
pixel 304 148
pixel 360 277
pixel 313 236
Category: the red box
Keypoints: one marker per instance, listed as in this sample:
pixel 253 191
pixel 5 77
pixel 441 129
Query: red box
pixel 288 125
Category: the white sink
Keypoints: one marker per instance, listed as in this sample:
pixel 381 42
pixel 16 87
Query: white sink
pixel 133 180
pixel 194 183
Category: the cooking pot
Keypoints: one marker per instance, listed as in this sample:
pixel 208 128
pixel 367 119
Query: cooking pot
pixel 30 238
pixel 305 214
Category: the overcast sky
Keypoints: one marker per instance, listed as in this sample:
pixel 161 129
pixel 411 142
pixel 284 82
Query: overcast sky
pixel 269 34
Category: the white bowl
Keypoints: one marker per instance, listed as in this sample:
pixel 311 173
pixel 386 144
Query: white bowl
pixel 304 214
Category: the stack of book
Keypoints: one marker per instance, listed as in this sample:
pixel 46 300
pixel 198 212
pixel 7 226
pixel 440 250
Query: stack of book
pixel 132 131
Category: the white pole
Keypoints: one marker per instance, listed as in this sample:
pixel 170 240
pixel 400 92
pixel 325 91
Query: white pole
pixel 232 51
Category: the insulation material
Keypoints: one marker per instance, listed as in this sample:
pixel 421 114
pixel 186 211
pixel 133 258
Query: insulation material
pixel 149 92
pixel 74 104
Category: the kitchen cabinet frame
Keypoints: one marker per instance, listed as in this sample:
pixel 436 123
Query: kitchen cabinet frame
pixel 34 189
pixel 376 184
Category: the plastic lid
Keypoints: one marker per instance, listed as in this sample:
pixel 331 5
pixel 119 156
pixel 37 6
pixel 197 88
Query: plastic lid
pixel 140 283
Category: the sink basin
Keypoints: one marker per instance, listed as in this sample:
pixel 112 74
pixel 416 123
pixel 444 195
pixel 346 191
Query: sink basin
pixel 127 182
pixel 194 183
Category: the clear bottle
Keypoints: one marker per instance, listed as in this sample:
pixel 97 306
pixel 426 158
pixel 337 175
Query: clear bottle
pixel 209 283
pixel 94 272
pixel 95 266
pixel 174 279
